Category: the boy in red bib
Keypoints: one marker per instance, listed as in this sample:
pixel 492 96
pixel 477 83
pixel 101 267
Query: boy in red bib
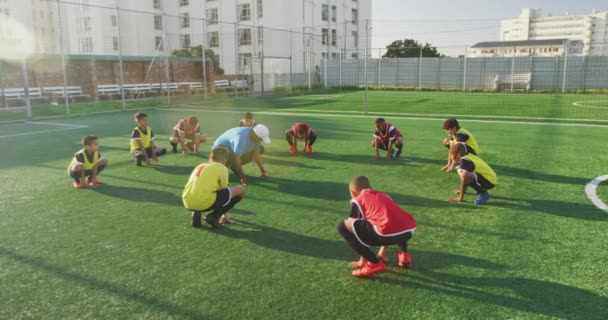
pixel 300 131
pixel 385 137
pixel 187 129
pixel 375 220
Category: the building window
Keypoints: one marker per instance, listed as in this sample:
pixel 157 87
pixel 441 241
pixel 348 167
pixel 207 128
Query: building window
pixel 184 40
pixel 115 43
pixel 158 43
pixel 213 39
pixel 260 8
pixel 158 22
pixel 354 55
pixel 334 55
pixel 325 12
pixel 244 59
pixel 324 36
pixel 334 13
pixel 184 3
pixel 355 36
pixel 212 16
pixel 260 36
pixel 156 4
pixel 244 12
pixel 86 24
pixel 245 37
pixel 355 16
pixel 86 45
pixel 114 21
pixel 6 12
pixel 185 20
pixel 334 37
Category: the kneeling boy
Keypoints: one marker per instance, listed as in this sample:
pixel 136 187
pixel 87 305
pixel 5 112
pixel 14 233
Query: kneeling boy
pixel 473 172
pixel 187 133
pixel 207 191
pixel 375 220
pixel 87 164
pixel 458 134
pixel 301 131
pixel 142 141
pixel 385 137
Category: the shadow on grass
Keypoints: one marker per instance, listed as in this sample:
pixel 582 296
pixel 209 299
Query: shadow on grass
pixel 361 159
pixel 290 242
pixel 518 173
pixel 286 163
pixel 528 295
pixel 122 293
pixel 583 211
pixel 139 194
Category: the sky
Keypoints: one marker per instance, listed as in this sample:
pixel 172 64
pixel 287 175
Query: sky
pixel 452 24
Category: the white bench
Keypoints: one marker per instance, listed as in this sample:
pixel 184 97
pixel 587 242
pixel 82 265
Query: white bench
pixel 192 86
pixel 171 86
pixel 108 89
pixel 222 84
pixel 19 93
pixel 73 92
pixel 518 80
pixel 138 87
pixel 239 84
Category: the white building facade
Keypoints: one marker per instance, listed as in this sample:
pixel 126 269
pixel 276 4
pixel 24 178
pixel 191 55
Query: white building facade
pixel 37 17
pixel 590 29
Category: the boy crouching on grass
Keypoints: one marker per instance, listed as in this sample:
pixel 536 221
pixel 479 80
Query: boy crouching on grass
pixel 473 172
pixel 375 220
pixel 207 191
pixel 300 131
pixel 458 134
pixel 386 137
pixel 87 164
pixel 142 141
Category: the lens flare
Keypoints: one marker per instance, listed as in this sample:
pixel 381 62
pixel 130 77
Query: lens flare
pixel 18 42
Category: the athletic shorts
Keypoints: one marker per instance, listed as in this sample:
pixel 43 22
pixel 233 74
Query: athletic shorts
pixel 222 199
pixel 367 235
pixel 149 152
pixel 188 136
pixel 384 145
pixel 483 182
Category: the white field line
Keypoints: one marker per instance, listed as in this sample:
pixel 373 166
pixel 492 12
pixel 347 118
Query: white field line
pixel 464 116
pixel 584 104
pixel 591 191
pixel 83 114
pixel 67 127
pixel 392 117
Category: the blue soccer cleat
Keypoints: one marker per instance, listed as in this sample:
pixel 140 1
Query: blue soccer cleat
pixel 392 153
pixel 482 198
pixel 398 155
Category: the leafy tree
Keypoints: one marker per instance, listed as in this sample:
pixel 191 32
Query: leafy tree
pixel 410 48
pixel 197 51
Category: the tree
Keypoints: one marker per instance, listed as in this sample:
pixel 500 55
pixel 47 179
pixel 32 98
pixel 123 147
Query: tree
pixel 409 48
pixel 197 51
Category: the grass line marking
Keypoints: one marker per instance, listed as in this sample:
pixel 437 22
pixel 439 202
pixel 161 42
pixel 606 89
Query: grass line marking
pixel 391 117
pixel 591 191
pixel 39 132
pixel 585 104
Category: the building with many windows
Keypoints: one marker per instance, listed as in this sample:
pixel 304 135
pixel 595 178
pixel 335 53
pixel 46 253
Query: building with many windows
pixel 589 29
pixel 35 16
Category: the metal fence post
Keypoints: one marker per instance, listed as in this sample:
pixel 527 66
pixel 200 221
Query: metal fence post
pixel 262 63
pixel 26 91
pixel 237 61
pixel 290 62
pixel 309 62
pixel 166 52
pixel 420 70
pixel 204 55
pixel 120 62
pixel 564 78
pixel 365 65
pixel 4 105
pixel 464 71
pixel 379 66
pixel 62 53
pixel 513 69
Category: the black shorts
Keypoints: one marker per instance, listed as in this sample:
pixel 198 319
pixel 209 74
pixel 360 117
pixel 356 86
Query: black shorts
pixel 76 174
pixel 222 199
pixel 482 181
pixel 384 145
pixel 367 235
pixel 245 159
pixel 149 152
pixel 188 136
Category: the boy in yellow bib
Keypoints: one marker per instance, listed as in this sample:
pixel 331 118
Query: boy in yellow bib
pixel 207 191
pixel 142 141
pixel 87 164
pixel 458 134
pixel 473 172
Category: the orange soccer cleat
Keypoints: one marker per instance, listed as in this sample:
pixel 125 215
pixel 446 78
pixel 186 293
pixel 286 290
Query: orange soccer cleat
pixel 77 185
pixel 293 149
pixel 94 181
pixel 405 260
pixel 309 149
pixel 369 269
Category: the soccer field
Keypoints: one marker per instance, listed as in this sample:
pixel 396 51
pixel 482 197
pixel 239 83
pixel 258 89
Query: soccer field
pixel 125 249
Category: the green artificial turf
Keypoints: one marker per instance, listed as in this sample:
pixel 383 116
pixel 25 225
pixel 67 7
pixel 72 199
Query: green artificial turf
pixel 125 250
